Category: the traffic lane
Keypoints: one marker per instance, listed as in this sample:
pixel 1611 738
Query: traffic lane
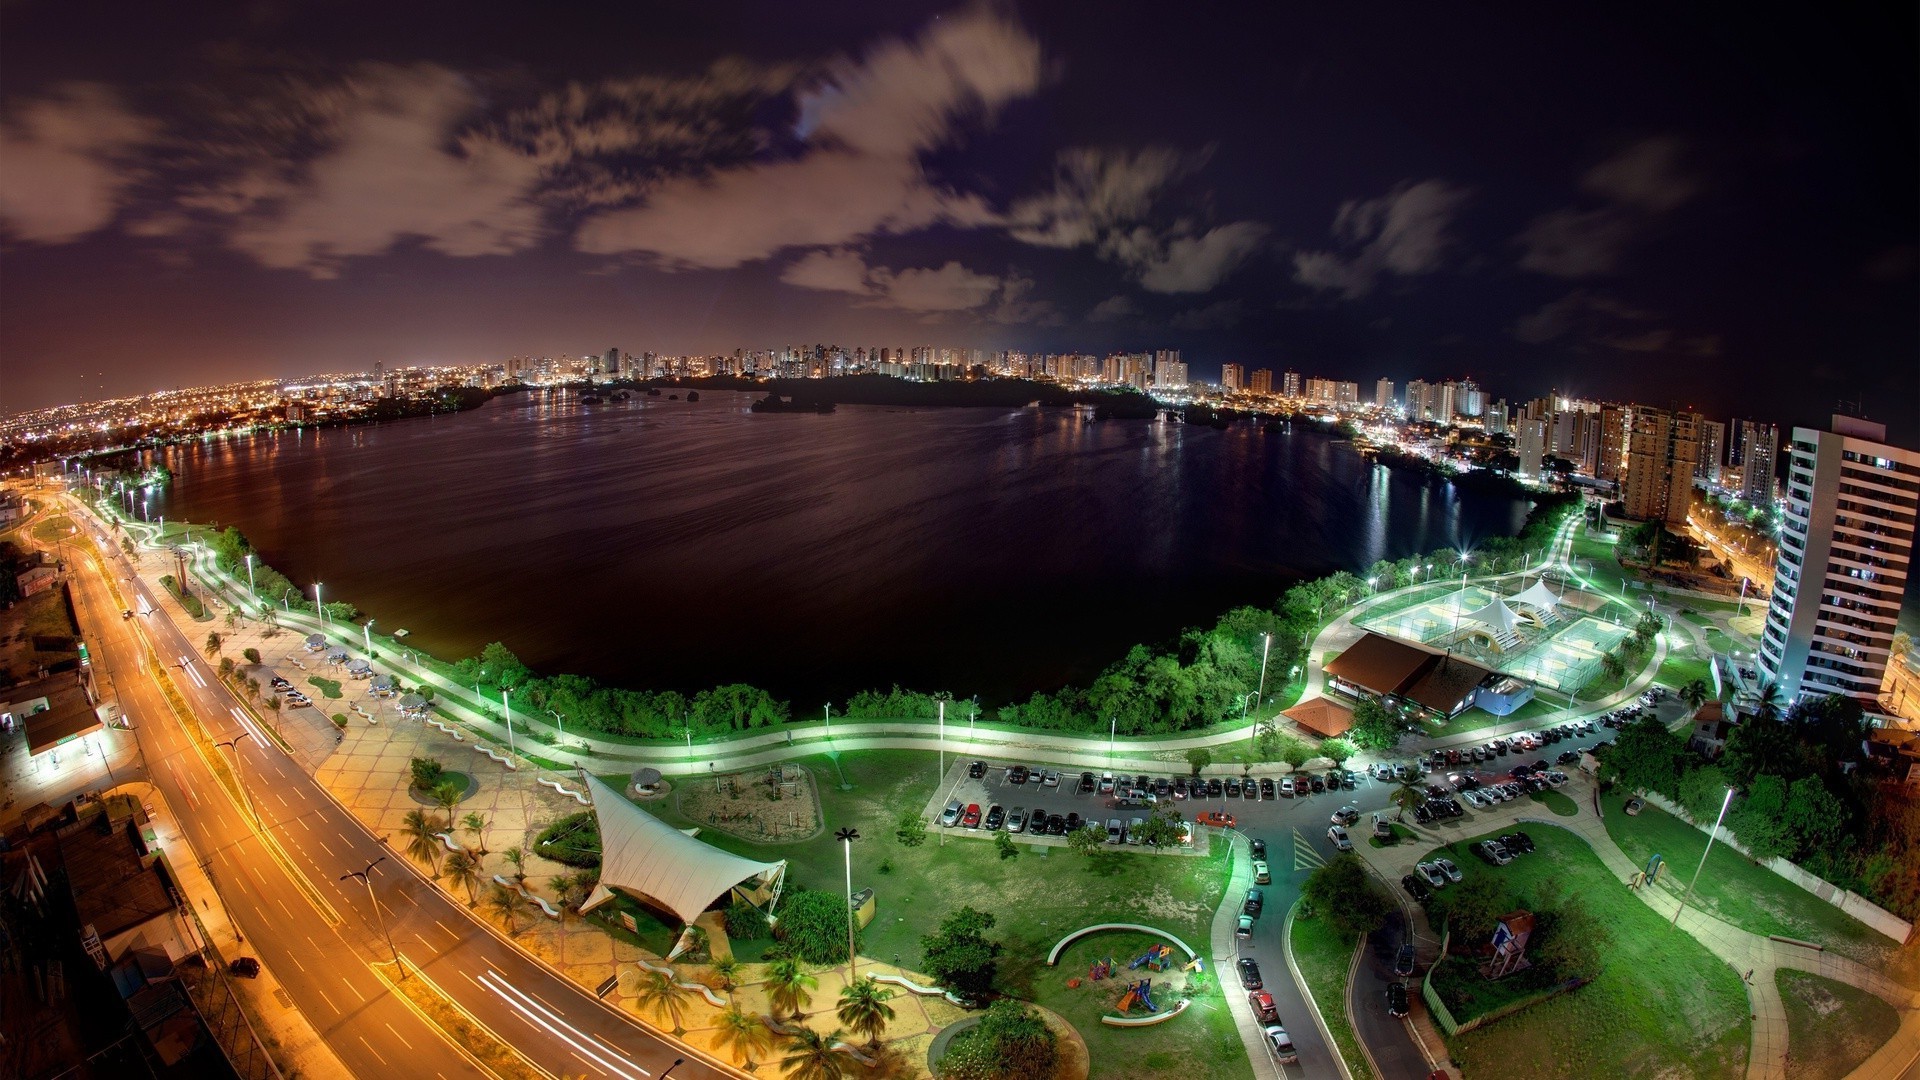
pixel 367 1031
pixel 1267 947
pixel 1387 1037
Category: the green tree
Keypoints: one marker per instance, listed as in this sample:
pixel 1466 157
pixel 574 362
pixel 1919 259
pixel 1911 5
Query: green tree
pixel 664 998
pixel 426 772
pixel 736 707
pixel 1337 750
pixel 726 967
pixel 1005 845
pixel 911 829
pixel 1010 1043
pixel 501 668
pixel 1295 751
pixel 1695 693
pixel 743 1036
pixel 789 987
pixel 214 641
pixel 1569 941
pixel 864 1009
pixel 1472 908
pixel 1199 758
pixel 1345 892
pixel 446 795
pixel 1759 818
pixel 1813 818
pixel 252 655
pixel 476 827
pixel 1087 839
pixel 1612 664
pixel 516 857
pixel 1407 796
pixel 1374 726
pixel 960 957
pixel 813 1056
pixel 464 870
pixel 422 844
pixel 815 925
pixel 1646 756
pixel 508 904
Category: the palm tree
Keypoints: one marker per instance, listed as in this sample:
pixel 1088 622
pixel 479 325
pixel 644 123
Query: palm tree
pixel 743 1035
pixel 476 825
pixel 518 857
pixel 864 1008
pixel 663 997
pixel 1407 796
pixel 1696 693
pixel 726 967
pixel 508 904
pixel 422 844
pixel 1611 663
pixel 813 1056
pixel 447 795
pixel 213 645
pixel 464 869
pixel 696 939
pixel 789 987
pixel 1770 702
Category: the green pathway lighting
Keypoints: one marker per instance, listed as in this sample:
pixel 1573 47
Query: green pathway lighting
pixel 1688 895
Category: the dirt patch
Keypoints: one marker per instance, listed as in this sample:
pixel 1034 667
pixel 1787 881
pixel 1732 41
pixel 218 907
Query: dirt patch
pixel 777 803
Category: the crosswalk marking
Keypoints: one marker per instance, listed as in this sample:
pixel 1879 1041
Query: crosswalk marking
pixel 1304 855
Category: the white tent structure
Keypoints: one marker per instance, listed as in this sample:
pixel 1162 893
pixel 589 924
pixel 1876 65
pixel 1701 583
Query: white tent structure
pixel 650 859
pixel 1541 600
pixel 1498 618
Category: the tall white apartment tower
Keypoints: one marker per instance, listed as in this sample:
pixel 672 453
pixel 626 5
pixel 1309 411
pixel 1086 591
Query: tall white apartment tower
pixel 1845 549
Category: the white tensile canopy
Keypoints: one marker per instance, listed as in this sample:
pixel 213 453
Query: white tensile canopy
pixel 643 855
pixel 1537 597
pixel 1497 615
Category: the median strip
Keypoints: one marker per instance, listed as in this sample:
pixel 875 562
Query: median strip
pixel 472 1039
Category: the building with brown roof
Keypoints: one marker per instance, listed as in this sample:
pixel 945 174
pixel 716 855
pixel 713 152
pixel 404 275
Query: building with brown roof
pixel 1322 716
pixel 1403 673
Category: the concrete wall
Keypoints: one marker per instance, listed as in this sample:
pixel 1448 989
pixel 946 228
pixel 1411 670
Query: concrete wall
pixel 1852 903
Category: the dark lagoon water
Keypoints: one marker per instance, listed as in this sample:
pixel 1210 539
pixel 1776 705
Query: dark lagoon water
pixel 682 544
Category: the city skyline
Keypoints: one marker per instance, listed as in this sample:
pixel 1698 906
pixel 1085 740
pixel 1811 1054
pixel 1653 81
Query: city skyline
pixel 225 198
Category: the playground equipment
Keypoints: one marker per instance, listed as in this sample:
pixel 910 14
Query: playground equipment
pixel 1100 969
pixel 1196 964
pixel 1139 995
pixel 1156 958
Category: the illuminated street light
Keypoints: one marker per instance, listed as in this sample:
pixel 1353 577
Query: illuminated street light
pixel 1266 648
pixel 1688 895
pixel 558 723
pixel 250 586
pixel 233 746
pixel 506 706
pixel 317 602
pixel 846 838
pixel 366 633
pixel 366 879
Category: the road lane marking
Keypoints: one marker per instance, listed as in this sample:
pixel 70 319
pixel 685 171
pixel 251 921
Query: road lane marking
pixel 297 963
pixel 284 907
pixel 402 1038
pixel 283 800
pixel 449 931
pixel 355 989
pixel 370 1049
pixel 589 1064
pixel 326 845
pixel 303 824
pixel 329 998
pixel 1304 855
pixel 521 1003
pixel 247 722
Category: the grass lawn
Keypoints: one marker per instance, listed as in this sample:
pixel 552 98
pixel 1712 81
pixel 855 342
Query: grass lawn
pixel 53 529
pixel 1678 671
pixel 1741 892
pixel 1831 1027
pixel 1324 956
pixel 328 687
pixel 1539 708
pixel 1559 802
pixel 1661 1002
pixel 1202 1041
pixel 1400 832
pixel 1036 899
pixel 1695 617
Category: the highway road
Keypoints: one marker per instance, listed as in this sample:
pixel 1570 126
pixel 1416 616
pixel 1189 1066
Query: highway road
pixel 325 966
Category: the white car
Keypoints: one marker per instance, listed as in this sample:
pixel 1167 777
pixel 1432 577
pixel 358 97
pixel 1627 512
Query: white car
pixel 1346 815
pixel 1340 838
pixel 1017 821
pixel 1448 868
pixel 1474 799
pixel 1432 873
pixel 1286 786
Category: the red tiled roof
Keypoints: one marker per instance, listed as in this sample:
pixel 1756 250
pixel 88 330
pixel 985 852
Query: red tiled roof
pixel 1322 717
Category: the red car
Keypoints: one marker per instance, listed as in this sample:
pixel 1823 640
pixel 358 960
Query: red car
pixel 1263 1006
pixel 1217 819
pixel 971 819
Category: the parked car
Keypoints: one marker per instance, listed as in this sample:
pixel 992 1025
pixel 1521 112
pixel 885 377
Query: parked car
pixel 1346 815
pixel 1397 999
pixel 1259 849
pixel 1492 852
pixel 1382 771
pixel 1243 927
pixel 996 816
pixel 1217 819
pixel 1135 828
pixel 1050 778
pixel 1115 831
pixel 1340 838
pixel 977 770
pixel 244 966
pixel 1179 787
pixel 1286 787
pixel 1037 824
pixel 1073 821
pixel 1261 874
pixel 951 815
pixel 1016 774
pixel 1382 828
pixel 1448 868
pixel 1432 874
pixel 1250 790
pixel 1056 826
pixel 1268 789
pixel 1319 785
pixel 1233 786
pixel 1086 783
pixel 971 818
pixel 1263 1007
pixel 1017 819
pixel 1517 841
pixel 1106 783
pixel 1215 787
pixel 1249 973
pixel 1416 888
pixel 1254 902
pixel 1282 1045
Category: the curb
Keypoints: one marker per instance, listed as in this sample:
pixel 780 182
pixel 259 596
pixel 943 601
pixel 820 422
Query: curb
pixel 1319 1020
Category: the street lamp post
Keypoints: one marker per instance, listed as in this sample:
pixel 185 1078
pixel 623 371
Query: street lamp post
pixel 1113 733
pixel 233 746
pixel 366 879
pixel 670 1068
pixel 250 586
pixel 559 722
pixel 943 739
pixel 846 838
pixel 1266 648
pixel 506 707
pixel 1688 895
pixel 366 634
pixel 285 604
pixel 829 708
pixel 317 602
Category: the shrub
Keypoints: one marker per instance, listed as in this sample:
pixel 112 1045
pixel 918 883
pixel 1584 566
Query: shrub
pixel 339 720
pixel 746 922
pixel 912 831
pixel 573 840
pixel 426 772
pixel 252 655
pixel 815 925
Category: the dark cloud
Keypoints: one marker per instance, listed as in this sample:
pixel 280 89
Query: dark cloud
pixel 1644 181
pixel 1403 233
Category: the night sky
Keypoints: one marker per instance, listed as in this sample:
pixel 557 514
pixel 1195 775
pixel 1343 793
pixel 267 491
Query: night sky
pixel 1713 207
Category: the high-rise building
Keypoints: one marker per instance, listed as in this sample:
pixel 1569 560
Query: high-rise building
pixel 1615 421
pixel 1530 441
pixel 1232 376
pixel 1419 404
pixel 1261 382
pixel 1662 447
pixel 1290 384
pixel 1383 393
pixel 1713 442
pixel 1845 550
pixel 1497 417
pixel 1169 374
pixel 1759 445
pixel 613 363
